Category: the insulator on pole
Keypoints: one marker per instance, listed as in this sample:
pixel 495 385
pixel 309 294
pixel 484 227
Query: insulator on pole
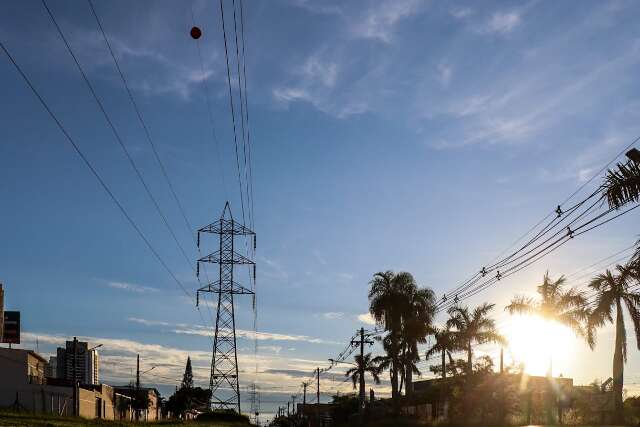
pixel 569 232
pixel 197 298
pixel 254 272
pixel 197 269
pixel 254 242
pixel 198 239
pixel 559 211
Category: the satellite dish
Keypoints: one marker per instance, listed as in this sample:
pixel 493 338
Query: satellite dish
pixel 196 33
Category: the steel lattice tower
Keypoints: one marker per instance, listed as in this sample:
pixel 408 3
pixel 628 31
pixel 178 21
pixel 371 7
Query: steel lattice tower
pixel 224 384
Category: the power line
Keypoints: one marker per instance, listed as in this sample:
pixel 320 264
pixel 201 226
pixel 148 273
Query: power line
pixel 242 115
pixel 93 170
pixel 246 108
pixel 205 83
pixel 116 133
pixel 233 114
pixel 141 120
pixel 537 256
pixel 478 275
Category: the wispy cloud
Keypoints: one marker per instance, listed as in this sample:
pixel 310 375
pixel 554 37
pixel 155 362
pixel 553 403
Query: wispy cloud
pixel 503 22
pixel 131 287
pixel 445 71
pixel 379 21
pixel 366 318
pixel 333 315
pixel 461 12
pixel 186 329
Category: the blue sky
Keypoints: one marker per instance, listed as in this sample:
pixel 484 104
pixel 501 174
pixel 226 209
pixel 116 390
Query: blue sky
pixel 418 136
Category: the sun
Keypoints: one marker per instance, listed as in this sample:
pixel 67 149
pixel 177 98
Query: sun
pixel 536 342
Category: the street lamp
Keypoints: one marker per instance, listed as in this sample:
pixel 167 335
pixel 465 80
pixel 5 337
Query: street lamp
pixel 335 362
pixel 148 370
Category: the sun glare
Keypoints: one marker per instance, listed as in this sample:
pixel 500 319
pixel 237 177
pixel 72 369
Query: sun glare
pixel 535 341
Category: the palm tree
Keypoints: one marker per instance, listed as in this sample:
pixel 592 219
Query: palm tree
pixel 473 328
pixel 363 364
pixel 565 307
pixel 417 323
pixel 445 344
pixel 615 292
pixel 386 303
pixel 622 186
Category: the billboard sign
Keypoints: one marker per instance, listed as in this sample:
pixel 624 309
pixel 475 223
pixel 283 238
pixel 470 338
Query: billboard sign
pixel 11 327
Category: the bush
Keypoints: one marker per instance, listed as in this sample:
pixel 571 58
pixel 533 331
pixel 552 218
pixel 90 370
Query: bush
pixel 223 415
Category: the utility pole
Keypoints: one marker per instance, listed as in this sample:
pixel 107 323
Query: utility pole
pixel 224 360
pixel 288 413
pixel 293 405
pixel 137 395
pixel 361 342
pixel 304 393
pixel 318 395
pixel 75 377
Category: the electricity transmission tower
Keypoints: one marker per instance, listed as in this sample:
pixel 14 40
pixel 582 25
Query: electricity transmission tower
pixel 223 383
pixel 254 399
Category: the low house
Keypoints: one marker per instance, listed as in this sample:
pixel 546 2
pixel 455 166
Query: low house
pixel 528 398
pixel 24 386
pixel 127 412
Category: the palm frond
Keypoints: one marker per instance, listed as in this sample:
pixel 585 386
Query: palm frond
pixel 521 305
pixel 622 185
pixel 633 305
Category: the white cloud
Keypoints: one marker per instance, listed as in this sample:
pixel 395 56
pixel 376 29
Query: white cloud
pixel 131 287
pixel 345 276
pixel 332 315
pixel 461 13
pixel 288 94
pixel 186 329
pixel 118 361
pixel 366 318
pixel 503 22
pixel 316 70
pixel 380 21
pixel 445 71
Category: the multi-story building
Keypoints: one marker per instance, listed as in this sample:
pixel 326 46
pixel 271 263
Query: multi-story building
pixel 87 364
pixel 52 366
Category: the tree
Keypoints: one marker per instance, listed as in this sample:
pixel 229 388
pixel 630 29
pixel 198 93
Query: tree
pixel 364 364
pixel 387 300
pixel 187 399
pixel 445 344
pixel 613 292
pixel 416 325
pixel 622 185
pixel 473 328
pixel 406 312
pixel 564 307
pixel 187 378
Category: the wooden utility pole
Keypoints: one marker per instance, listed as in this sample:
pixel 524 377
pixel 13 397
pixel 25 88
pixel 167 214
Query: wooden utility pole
pixel 318 395
pixel 362 393
pixel 75 377
pixel 137 395
pixel 304 393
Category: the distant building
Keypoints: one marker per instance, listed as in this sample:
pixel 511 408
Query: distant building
pixel 87 365
pixel 51 368
pixel 152 413
pixel 24 386
pixel 20 367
